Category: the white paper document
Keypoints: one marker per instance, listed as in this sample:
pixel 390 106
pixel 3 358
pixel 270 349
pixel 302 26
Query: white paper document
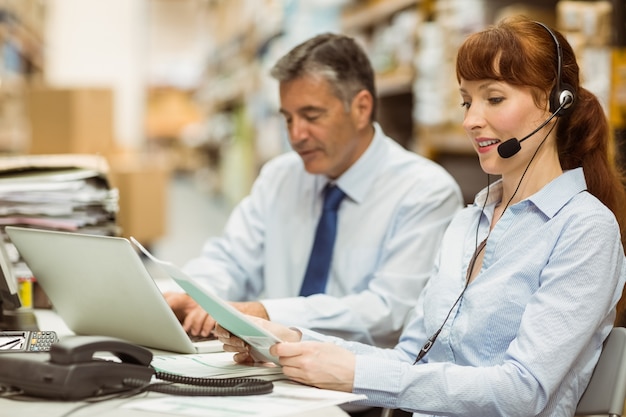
pixel 219 364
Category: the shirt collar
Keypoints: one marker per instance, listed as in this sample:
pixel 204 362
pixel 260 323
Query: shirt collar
pixel 358 179
pixel 556 194
pixel 492 193
pixel 550 199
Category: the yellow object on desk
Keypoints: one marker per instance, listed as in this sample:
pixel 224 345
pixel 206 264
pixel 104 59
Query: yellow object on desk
pixel 25 291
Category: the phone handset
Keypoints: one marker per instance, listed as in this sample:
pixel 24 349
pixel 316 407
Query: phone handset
pixel 69 370
pixel 81 349
pixel 78 349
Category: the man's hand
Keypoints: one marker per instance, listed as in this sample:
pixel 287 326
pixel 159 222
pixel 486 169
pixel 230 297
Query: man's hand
pixel 251 308
pixel 180 303
pixel 194 319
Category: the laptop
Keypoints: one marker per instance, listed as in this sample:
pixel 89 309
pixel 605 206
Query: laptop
pixel 99 285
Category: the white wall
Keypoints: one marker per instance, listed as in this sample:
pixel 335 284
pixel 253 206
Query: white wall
pixel 101 43
pixel 178 42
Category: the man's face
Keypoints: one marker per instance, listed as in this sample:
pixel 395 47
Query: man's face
pixel 321 129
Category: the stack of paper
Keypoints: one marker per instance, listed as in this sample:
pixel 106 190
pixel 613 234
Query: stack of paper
pixel 57 192
pixel 216 365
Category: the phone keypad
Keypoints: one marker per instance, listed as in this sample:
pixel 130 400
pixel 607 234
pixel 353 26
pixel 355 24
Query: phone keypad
pixel 41 341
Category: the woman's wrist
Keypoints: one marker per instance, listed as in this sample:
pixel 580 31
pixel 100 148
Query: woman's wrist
pixel 296 335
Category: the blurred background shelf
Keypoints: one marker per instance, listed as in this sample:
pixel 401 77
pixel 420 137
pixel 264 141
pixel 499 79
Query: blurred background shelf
pixel 180 92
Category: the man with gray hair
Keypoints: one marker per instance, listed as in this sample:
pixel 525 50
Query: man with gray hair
pixel 341 234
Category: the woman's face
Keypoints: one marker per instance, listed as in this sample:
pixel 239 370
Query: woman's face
pixel 496 111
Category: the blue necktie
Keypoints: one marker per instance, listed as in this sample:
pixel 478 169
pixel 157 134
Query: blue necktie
pixel 319 263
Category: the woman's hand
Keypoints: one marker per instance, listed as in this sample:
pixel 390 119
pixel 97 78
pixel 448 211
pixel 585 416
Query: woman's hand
pixel 233 344
pixel 242 350
pixel 322 365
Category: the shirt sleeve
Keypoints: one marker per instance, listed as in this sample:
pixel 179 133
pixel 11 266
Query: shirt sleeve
pixel 231 265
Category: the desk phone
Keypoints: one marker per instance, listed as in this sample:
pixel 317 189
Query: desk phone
pixel 26 341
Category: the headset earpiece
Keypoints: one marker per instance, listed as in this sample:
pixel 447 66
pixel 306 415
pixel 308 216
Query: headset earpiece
pixel 563 99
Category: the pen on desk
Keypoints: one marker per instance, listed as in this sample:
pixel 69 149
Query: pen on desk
pixel 10 344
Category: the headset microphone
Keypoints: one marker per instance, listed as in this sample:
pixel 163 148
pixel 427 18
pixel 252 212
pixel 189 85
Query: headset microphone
pixel 512 146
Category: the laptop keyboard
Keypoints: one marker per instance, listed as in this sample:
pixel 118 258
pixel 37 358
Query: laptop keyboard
pixel 199 338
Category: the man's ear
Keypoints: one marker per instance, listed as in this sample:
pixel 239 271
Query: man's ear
pixel 362 106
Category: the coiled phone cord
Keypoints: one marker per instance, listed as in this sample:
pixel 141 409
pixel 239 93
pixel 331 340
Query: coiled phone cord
pixel 202 386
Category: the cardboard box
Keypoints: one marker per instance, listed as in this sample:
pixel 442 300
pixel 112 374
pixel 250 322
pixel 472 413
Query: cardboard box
pixel 70 120
pixel 592 19
pixel 143 198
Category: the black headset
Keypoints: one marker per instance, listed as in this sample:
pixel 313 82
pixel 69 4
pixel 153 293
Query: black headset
pixel 561 97
pixel 561 100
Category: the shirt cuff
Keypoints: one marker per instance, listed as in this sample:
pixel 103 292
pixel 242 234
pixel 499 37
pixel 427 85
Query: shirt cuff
pixel 379 379
pixel 284 310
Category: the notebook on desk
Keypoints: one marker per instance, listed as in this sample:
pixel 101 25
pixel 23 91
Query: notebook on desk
pixel 99 285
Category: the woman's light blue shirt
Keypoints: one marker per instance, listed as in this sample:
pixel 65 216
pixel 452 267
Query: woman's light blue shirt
pixel 525 337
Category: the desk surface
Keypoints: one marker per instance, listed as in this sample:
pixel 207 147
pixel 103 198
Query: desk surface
pixel 48 320
pixel 115 408
pixel 112 408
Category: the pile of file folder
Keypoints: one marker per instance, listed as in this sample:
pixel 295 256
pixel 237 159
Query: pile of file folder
pixel 69 192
